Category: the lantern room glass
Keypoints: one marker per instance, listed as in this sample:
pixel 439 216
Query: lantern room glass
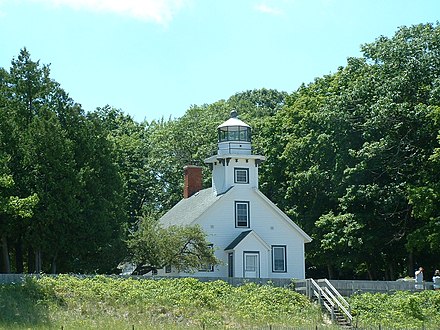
pixel 234 133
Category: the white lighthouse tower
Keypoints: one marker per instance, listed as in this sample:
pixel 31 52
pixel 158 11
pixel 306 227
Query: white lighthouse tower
pixel 234 164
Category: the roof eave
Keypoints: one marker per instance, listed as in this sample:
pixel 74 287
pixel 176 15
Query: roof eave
pixel 307 238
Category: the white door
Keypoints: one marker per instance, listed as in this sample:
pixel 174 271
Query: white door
pixel 251 265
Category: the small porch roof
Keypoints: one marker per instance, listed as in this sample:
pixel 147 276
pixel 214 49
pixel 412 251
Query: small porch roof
pixel 246 235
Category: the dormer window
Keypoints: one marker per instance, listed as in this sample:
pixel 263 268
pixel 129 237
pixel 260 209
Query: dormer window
pixel 241 175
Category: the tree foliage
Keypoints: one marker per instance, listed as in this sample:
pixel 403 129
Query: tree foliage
pixel 184 248
pixel 57 152
pixel 355 148
pixel 353 158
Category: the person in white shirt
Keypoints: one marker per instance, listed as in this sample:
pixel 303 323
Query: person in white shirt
pixel 436 279
pixel 419 278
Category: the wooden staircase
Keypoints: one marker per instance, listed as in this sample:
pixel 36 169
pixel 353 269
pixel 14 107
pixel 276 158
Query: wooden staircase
pixel 330 300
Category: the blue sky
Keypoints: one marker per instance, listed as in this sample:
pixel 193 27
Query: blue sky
pixel 156 58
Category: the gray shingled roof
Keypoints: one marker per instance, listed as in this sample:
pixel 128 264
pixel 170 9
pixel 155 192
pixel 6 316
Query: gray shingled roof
pixel 189 209
pixel 237 240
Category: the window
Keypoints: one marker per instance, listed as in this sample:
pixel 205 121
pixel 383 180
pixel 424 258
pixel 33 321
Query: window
pixel 242 217
pixel 207 267
pixel 244 135
pixel 168 269
pixel 234 133
pixel 241 175
pixel 279 259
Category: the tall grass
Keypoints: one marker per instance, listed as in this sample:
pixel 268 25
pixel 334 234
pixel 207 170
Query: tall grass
pixel 101 302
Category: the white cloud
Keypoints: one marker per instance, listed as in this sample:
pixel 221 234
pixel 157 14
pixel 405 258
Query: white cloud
pixel 159 11
pixel 266 9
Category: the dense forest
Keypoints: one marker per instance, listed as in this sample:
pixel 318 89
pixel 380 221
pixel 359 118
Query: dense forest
pixel 352 157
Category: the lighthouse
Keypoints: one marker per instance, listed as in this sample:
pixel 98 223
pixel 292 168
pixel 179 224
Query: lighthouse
pixel 250 235
pixel 234 164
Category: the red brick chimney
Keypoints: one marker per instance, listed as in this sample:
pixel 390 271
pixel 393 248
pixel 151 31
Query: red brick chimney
pixel 193 180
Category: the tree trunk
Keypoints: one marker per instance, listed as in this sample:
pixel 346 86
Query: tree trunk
pixel 19 268
pixel 370 275
pixel 392 277
pixel 38 261
pixel 54 265
pixel 31 261
pixel 330 272
pixel 410 264
pixel 6 266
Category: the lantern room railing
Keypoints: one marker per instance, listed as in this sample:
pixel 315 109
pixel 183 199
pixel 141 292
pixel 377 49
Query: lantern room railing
pixel 234 148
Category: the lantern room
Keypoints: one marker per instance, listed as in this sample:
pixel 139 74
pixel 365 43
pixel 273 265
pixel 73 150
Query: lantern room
pixel 234 136
pixel 234 164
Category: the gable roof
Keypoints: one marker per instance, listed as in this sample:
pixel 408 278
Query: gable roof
pixel 189 209
pixel 243 235
pixel 307 238
pixel 237 240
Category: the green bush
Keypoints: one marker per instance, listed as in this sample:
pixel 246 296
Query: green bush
pixel 401 310
pixel 114 303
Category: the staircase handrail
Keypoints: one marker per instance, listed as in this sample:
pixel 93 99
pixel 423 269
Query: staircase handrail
pixel 340 301
pixel 330 307
pixel 314 286
pixel 341 307
pixel 336 293
pixel 318 293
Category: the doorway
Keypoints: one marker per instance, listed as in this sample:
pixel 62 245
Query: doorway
pixel 230 264
pixel 251 262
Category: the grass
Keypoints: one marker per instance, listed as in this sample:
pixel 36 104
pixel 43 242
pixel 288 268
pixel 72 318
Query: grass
pixel 101 302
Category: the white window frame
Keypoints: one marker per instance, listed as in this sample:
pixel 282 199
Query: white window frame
pixel 248 214
pixel 237 170
pixel 284 249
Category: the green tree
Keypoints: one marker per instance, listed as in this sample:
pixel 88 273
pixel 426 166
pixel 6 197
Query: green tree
pixel 184 141
pixel 51 173
pixel 132 149
pixel 101 222
pixel 424 199
pixel 184 248
pixel 11 208
pixel 63 155
pixel 352 146
pixel 193 137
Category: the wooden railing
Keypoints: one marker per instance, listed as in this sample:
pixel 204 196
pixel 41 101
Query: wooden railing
pixel 329 298
pixel 350 287
pixel 336 299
